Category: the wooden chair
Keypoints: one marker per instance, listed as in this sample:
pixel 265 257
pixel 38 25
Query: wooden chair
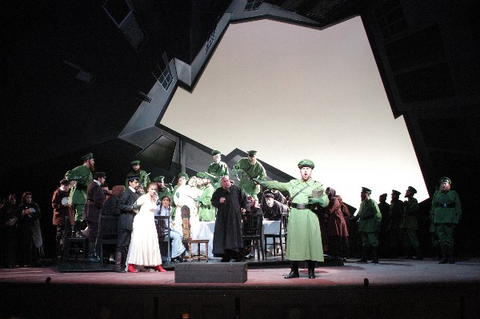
pixel 107 233
pixel 252 230
pixel 197 241
pixel 280 238
pixel 74 247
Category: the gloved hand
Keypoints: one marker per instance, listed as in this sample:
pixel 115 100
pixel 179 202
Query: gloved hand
pixel 259 181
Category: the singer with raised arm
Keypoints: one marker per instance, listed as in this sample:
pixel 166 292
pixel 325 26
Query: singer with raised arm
pixel 304 241
pixel 144 249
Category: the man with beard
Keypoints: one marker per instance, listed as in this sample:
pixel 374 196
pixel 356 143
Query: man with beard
pixel 231 203
pixel 409 225
pixel 143 176
pixel 163 189
pixel 445 213
pixel 304 241
pixel 93 207
pixel 80 177
pixel 249 168
pixel 127 204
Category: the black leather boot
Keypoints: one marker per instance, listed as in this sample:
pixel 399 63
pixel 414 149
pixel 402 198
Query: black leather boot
pixel 375 254
pixel 450 251
pixel 293 271
pixel 364 255
pixel 91 253
pixel 444 251
pixel 118 261
pixel 311 269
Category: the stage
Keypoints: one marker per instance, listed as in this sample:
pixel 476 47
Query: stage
pixel 394 288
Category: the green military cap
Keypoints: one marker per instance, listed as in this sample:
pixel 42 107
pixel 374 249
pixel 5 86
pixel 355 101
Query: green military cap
pixel 159 179
pixel 395 192
pixel 366 190
pixel 87 156
pixel 252 153
pixel 445 179
pixel 215 152
pixel 182 174
pixel 412 189
pixel 384 195
pixel 306 163
pixel 132 178
pixel 135 162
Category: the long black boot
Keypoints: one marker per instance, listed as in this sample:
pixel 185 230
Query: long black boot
pixel 311 269
pixel 375 254
pixel 293 271
pixel 118 260
pixel 364 255
pixel 91 253
pixel 444 251
pixel 450 251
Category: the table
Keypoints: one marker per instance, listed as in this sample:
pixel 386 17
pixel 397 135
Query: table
pixel 204 231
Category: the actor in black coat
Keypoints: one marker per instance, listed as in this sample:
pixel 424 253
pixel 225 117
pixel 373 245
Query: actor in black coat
pixel 231 203
pixel 93 207
pixel 125 222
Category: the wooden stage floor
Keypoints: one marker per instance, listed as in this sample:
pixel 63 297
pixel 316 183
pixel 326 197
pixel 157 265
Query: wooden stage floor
pixel 394 288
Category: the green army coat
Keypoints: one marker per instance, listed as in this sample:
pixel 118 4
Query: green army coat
pixel 83 176
pixel 206 211
pixel 369 216
pixel 218 170
pixel 409 220
pixel 304 240
pixel 446 208
pixel 250 171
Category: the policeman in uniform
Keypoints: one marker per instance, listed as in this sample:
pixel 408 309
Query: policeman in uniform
pixel 397 209
pixel 163 189
pixel 217 169
pixel 369 223
pixel 304 241
pixel 80 177
pixel 249 168
pixel 445 213
pixel 409 224
pixel 143 176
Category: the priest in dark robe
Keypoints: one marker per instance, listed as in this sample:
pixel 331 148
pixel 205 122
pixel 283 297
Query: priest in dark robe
pixel 231 203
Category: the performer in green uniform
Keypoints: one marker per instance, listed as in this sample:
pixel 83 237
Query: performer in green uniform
pixel 369 223
pixel 217 169
pixel 80 177
pixel 206 211
pixel 304 241
pixel 248 168
pixel 136 171
pixel 445 213
pixel 163 189
pixel 409 225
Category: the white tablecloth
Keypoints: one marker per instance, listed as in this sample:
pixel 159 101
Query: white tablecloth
pixel 204 231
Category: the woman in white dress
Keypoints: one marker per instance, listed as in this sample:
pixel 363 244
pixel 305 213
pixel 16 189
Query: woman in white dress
pixel 144 249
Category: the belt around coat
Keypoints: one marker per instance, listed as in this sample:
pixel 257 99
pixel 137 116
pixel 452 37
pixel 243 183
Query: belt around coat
pixel 445 205
pixel 300 206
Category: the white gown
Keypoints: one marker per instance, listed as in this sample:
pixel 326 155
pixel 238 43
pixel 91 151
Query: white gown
pixel 144 249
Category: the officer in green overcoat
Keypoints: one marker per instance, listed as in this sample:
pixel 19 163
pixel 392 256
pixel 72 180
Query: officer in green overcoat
pixel 206 211
pixel 409 225
pixel 80 177
pixel 246 169
pixel 136 171
pixel 445 214
pixel 304 240
pixel 163 189
pixel 217 169
pixel 369 223
pixel 397 210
